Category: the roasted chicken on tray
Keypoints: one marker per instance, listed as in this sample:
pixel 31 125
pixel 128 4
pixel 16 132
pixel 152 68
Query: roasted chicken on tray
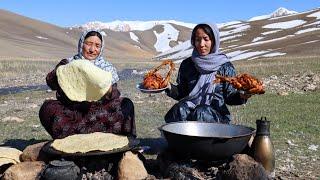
pixel 243 82
pixel 153 79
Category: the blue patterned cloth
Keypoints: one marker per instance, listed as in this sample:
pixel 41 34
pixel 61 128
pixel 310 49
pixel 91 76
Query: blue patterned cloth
pixel 99 61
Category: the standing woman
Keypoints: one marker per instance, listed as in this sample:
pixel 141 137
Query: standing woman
pixel 111 113
pixel 199 99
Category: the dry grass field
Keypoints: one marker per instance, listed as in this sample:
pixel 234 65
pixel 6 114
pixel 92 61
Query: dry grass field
pixel 294 117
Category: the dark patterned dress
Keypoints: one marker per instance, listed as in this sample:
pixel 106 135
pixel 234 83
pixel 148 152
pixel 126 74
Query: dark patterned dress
pixel 63 117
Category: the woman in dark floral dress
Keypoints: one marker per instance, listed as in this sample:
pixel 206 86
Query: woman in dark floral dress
pixel 112 113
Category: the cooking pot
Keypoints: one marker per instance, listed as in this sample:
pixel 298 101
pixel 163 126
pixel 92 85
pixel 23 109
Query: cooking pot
pixel 206 141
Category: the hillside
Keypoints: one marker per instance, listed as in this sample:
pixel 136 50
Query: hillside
pixel 283 33
pixel 293 35
pixel 26 38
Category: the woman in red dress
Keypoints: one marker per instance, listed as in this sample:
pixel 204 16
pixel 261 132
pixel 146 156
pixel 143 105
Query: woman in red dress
pixel 112 113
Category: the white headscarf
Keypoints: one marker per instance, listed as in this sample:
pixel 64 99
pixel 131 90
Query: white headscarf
pixel 99 61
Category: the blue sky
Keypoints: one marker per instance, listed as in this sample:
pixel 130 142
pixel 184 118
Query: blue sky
pixel 67 13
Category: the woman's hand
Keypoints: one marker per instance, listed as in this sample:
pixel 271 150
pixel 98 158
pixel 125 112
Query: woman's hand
pixel 109 92
pixel 169 87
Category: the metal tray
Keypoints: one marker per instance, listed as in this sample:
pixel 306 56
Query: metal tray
pixel 142 89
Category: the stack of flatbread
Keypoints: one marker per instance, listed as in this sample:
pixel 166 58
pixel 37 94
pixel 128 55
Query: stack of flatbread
pixel 81 80
pixel 83 143
pixel 9 155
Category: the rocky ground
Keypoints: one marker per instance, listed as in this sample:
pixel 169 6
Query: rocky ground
pixel 281 84
pixel 298 83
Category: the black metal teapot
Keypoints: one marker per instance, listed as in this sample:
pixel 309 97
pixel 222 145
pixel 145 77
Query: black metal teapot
pixel 61 170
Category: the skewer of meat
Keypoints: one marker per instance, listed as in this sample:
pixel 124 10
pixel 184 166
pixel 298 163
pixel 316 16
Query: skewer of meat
pixel 244 82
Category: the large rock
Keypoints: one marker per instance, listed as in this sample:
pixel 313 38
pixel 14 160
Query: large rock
pixel 131 167
pixel 24 171
pixel 242 167
pixel 34 153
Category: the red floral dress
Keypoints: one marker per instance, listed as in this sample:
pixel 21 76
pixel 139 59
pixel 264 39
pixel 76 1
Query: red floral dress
pixel 63 117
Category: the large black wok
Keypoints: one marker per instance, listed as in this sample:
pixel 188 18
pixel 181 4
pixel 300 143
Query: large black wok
pixel 206 141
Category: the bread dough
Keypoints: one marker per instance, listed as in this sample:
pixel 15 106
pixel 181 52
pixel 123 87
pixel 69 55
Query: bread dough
pixel 81 80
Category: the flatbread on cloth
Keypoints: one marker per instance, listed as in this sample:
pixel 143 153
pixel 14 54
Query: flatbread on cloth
pixel 81 80
pixel 9 155
pixel 83 143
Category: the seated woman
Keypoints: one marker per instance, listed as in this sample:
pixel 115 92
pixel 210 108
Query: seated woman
pixel 112 113
pixel 199 98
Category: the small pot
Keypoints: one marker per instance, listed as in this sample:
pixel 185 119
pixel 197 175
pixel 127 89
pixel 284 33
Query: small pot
pixel 61 170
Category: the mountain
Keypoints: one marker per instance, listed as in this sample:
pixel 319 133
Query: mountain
pixel 25 38
pixel 282 12
pixel 151 36
pixel 281 33
pixel 291 35
pixel 28 38
pixel 126 26
pixel 277 13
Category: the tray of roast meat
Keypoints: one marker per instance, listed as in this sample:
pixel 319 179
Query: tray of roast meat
pixel 245 83
pixel 153 81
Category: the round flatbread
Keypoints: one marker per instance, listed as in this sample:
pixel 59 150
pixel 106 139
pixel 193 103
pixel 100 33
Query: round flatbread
pixel 4 161
pixel 83 143
pixel 9 155
pixel 81 80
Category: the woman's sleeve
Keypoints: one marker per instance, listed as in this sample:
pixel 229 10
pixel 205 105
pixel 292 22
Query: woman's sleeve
pixel 173 92
pixel 115 93
pixel 51 79
pixel 177 92
pixel 230 94
pixel 115 76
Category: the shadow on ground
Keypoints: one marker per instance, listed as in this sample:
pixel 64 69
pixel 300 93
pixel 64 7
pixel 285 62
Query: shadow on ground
pixel 153 145
pixel 20 89
pixel 20 144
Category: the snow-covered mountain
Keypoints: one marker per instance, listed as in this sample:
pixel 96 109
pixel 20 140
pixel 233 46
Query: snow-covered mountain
pixel 166 35
pixel 126 26
pixel 280 12
pixel 291 35
pixel 279 34
pixel 238 38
